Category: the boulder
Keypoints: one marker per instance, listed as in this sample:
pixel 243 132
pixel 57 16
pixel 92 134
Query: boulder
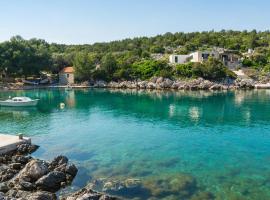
pixel 24 185
pixel 175 85
pixel 71 170
pixel 182 185
pixel 61 168
pixel 4 187
pixel 2 196
pixel 182 87
pixel 117 187
pixel 51 182
pixel 33 171
pixel 41 195
pixel 88 194
pixel 59 164
pixel 151 85
pixel 18 194
pixel 16 166
pixel 159 80
pixel 21 159
pixel 216 87
pixel 100 84
pixel 132 183
pixel 205 85
pixel 59 160
pixel 134 85
pixel 153 79
pixel 23 195
pixel 7 173
pixel 142 84
pixel 113 186
pixel 167 83
pixel 26 148
pixel 245 83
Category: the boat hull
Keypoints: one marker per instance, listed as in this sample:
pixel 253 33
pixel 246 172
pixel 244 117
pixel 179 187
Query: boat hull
pixel 19 104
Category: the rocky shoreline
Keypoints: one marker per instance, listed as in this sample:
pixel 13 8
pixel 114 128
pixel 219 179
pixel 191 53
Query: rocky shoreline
pixel 156 83
pixel 26 178
pixel 160 83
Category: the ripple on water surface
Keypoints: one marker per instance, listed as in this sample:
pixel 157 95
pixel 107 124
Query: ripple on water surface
pixel 158 145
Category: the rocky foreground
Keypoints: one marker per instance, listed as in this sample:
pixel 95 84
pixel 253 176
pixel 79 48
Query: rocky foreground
pixel 23 177
pixel 26 178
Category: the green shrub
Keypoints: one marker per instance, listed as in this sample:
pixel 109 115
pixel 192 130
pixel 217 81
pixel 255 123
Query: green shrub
pixel 100 74
pixel 212 69
pixel 148 68
pixel 122 74
pixel 157 49
pixel 266 68
pixel 184 70
pixel 165 73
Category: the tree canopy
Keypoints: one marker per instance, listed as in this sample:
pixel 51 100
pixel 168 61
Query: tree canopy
pixel 131 58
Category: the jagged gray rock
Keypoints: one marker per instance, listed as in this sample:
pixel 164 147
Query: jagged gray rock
pixel 33 170
pixel 51 182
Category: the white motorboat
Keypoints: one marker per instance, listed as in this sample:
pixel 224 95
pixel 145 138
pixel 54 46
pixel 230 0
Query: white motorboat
pixel 19 102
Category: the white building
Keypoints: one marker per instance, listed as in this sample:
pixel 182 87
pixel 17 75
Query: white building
pixel 178 59
pixel 200 56
pixel 197 56
pixel 229 58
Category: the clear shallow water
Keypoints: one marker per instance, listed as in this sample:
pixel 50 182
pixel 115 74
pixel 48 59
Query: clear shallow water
pixel 220 140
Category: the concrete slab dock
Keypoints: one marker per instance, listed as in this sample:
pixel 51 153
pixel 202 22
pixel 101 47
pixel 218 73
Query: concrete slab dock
pixel 9 143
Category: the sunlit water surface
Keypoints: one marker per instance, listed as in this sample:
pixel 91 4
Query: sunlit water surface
pixel 179 144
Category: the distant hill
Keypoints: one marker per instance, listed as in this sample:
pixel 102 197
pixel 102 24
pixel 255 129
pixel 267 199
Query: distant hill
pixel 127 58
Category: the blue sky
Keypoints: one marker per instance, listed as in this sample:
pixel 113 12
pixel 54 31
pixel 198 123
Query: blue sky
pixel 89 21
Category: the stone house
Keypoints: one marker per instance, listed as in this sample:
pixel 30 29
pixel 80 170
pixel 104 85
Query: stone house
pixel 66 76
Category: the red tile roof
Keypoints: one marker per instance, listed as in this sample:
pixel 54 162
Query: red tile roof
pixel 67 70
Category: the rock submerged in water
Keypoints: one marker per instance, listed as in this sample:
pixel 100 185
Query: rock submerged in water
pixel 182 185
pixel 175 186
pixel 23 177
pixel 88 194
pixel 116 187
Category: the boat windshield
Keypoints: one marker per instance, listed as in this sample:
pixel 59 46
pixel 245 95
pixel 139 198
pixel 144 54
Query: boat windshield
pixel 16 99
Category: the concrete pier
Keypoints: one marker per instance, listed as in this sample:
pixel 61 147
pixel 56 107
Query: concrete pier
pixel 9 143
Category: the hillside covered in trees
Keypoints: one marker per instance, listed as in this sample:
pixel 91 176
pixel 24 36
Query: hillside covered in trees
pixel 130 59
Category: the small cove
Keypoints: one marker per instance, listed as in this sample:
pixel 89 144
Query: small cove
pixel 220 140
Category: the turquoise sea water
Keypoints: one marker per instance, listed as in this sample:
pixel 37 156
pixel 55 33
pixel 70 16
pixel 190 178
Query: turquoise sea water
pixel 178 143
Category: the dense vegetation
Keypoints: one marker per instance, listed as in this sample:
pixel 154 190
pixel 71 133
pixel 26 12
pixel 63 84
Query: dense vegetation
pixel 212 69
pixel 132 58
